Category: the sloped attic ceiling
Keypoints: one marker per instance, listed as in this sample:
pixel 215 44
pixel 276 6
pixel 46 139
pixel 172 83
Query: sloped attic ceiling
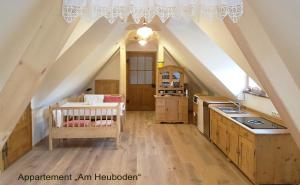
pixel 218 32
pixel 80 62
pixel 190 62
pixel 210 55
pixel 31 62
pixel 280 20
pixel 23 15
pixel 82 26
pixel 269 66
pixel 45 34
pixel 85 57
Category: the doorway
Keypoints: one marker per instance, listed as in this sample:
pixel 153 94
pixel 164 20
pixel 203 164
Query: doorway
pixel 141 70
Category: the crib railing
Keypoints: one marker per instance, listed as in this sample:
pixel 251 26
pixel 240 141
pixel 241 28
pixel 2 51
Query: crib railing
pixel 105 119
pixel 89 116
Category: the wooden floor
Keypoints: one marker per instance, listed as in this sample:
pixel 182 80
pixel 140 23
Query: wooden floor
pixel 164 154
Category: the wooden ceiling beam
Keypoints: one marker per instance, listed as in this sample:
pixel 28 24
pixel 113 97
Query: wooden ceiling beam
pixel 36 60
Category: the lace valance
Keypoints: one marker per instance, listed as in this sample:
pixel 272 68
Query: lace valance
pixel 164 9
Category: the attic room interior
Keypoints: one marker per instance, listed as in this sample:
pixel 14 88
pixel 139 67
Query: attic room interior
pixel 150 92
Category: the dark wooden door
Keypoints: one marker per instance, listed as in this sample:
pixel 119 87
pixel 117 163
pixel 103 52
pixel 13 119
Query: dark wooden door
pixel 140 81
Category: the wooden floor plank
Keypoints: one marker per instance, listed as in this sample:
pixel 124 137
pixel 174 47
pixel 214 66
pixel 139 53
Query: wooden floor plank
pixel 164 154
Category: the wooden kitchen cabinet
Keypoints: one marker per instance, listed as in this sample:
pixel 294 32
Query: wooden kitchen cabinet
pixel 171 109
pixel 222 135
pixel 19 141
pixel 183 109
pixel 246 157
pixel 263 158
pixel 232 142
pixel 213 126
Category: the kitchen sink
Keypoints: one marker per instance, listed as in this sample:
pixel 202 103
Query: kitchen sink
pixel 231 110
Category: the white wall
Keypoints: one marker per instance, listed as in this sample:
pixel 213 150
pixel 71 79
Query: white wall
pixel 39 124
pixel 260 104
pixel 110 71
pixel 220 34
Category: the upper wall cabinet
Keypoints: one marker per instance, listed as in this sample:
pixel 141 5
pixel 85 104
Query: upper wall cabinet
pixel 170 80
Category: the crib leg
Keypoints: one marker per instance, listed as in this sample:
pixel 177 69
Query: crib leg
pixel 50 143
pixel 117 142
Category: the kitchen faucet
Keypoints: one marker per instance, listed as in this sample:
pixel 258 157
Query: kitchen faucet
pixel 238 104
pixel 239 98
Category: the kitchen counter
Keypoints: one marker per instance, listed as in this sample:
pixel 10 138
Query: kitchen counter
pixel 213 99
pixel 170 96
pixel 249 113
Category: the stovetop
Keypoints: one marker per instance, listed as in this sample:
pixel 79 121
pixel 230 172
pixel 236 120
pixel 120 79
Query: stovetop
pixel 257 123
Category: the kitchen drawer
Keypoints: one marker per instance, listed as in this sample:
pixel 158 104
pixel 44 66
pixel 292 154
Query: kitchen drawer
pixel 247 135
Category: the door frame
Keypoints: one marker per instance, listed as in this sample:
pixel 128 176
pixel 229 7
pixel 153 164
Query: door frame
pixel 154 67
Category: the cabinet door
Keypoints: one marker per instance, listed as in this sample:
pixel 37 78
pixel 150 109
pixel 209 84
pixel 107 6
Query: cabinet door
pixel 160 107
pixel 213 126
pixel 247 157
pixel 183 110
pixel 232 143
pixel 221 135
pixel 20 140
pixel 171 105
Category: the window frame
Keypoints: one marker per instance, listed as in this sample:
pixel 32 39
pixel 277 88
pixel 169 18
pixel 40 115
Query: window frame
pixel 256 92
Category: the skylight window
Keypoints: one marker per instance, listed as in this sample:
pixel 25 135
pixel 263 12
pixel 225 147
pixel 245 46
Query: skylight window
pixel 253 88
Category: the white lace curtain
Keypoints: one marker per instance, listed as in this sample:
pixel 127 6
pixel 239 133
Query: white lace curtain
pixel 164 9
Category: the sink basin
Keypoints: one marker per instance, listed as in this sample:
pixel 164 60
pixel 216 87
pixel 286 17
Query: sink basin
pixel 231 110
pixel 234 112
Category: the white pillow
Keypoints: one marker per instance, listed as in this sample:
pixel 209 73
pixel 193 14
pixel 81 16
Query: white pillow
pixel 93 99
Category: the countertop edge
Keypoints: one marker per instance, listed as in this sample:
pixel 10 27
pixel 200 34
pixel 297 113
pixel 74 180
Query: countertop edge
pixel 254 131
